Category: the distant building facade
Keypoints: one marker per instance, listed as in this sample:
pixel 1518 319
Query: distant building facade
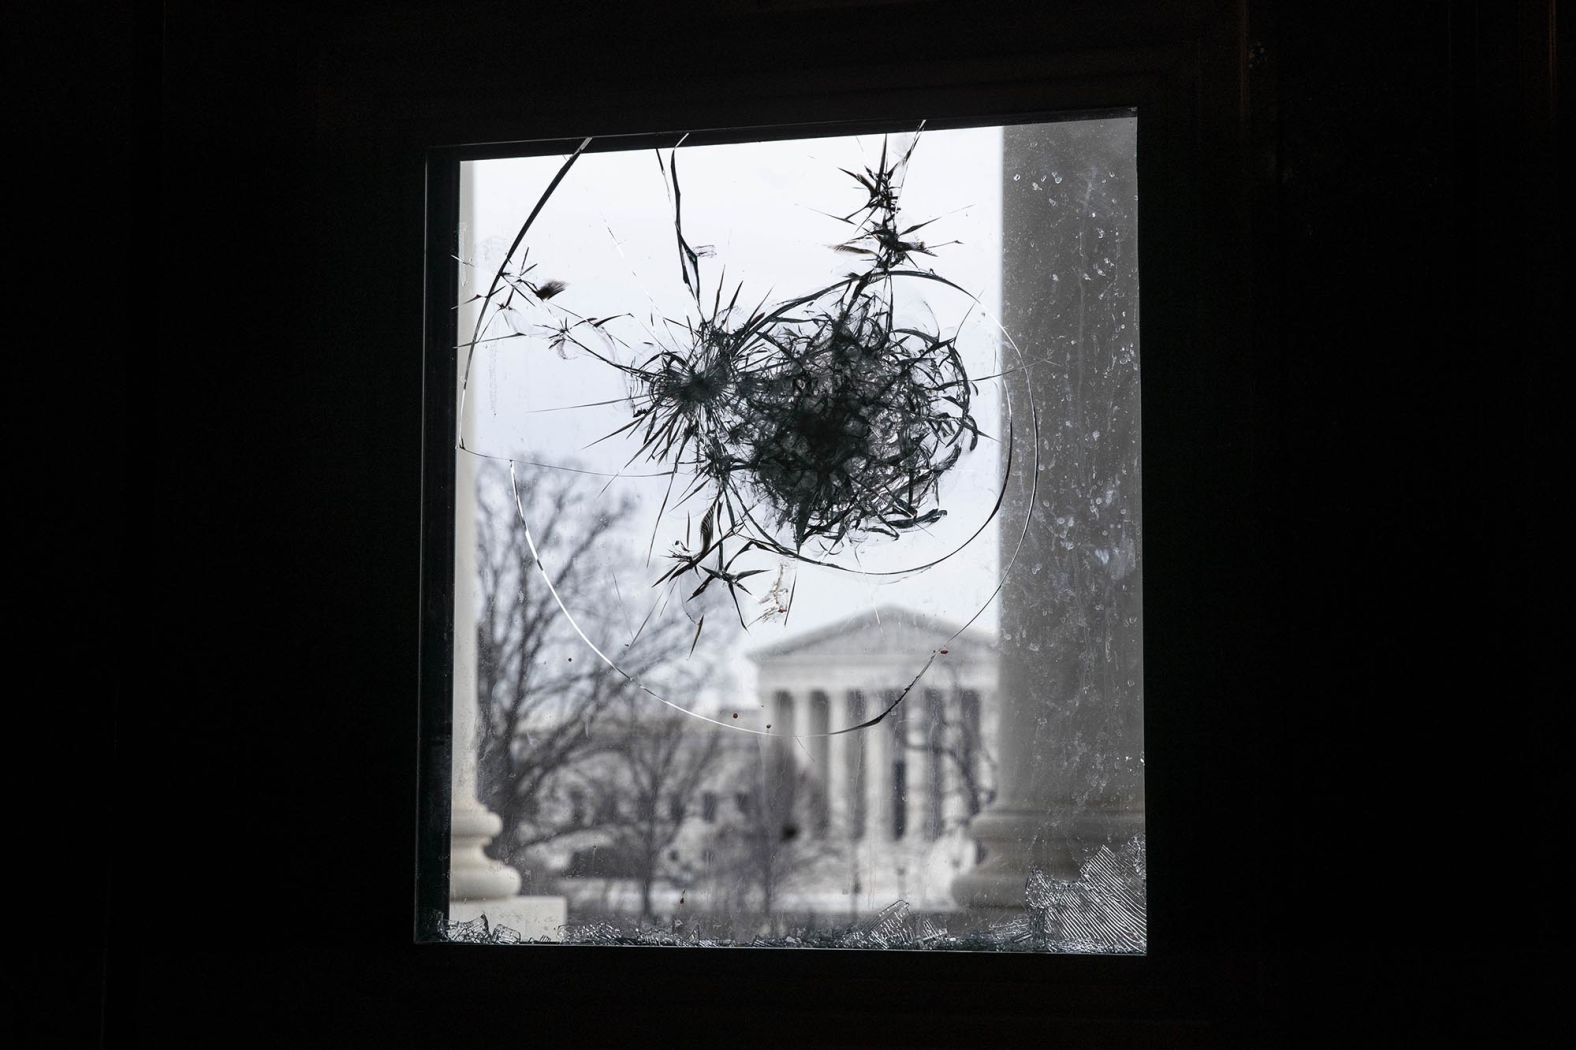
pixel 893 798
pixel 835 824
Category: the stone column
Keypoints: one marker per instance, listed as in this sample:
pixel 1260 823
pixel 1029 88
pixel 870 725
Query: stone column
pixel 478 885
pixel 782 727
pixel 839 801
pixel 952 808
pixel 934 784
pixel 878 773
pixel 905 737
pixel 475 880
pixel 1069 743
pixel 855 762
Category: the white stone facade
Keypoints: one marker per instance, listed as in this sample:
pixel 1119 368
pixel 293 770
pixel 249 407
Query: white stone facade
pixel 894 797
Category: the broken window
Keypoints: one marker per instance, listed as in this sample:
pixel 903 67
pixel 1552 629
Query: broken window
pixel 805 472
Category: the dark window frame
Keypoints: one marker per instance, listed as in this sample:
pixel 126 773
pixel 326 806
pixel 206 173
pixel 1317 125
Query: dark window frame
pixel 1184 79
pixel 1288 749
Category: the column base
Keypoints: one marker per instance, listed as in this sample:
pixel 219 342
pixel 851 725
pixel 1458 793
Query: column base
pixel 472 874
pixel 1056 842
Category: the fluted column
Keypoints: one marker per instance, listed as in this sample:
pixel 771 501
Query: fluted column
pixel 1070 723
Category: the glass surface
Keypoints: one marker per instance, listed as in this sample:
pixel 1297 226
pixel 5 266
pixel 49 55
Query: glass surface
pixel 798 585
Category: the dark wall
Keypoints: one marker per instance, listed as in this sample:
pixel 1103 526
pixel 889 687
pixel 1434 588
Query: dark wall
pixel 1413 253
pixel 1375 785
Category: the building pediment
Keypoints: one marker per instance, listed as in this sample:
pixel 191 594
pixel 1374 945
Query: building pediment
pixel 888 631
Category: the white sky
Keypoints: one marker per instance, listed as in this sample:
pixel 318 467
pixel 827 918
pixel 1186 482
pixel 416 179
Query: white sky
pixel 608 233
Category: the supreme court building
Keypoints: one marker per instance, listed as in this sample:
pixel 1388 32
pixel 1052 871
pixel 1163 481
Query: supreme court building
pixel 893 799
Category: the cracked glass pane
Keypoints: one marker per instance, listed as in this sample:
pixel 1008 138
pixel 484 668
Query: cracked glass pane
pixel 799 547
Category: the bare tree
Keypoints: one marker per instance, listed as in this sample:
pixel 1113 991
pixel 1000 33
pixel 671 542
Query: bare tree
pixel 541 693
pixel 951 738
pixel 659 765
pixel 761 852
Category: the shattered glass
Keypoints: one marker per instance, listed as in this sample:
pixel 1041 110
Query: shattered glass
pixel 799 546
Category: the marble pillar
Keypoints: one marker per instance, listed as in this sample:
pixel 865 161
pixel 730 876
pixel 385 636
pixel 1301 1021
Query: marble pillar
pixel 1069 741
pixel 478 885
